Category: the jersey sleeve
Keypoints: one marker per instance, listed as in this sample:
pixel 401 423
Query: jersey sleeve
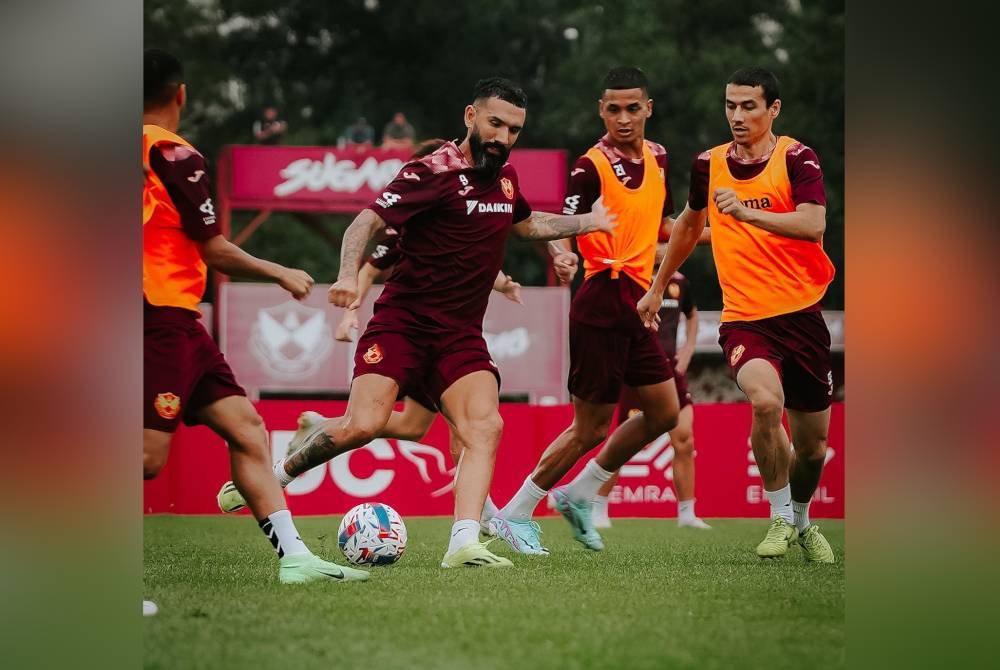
pixel 413 191
pixel 806 176
pixel 584 187
pixel 185 176
pixel 386 252
pixel 698 190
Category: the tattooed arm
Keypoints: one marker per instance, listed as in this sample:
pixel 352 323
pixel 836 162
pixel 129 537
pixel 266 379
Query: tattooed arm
pixel 545 226
pixel 344 293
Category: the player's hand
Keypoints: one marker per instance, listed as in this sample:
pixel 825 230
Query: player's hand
pixel 512 290
pixel 348 323
pixel 729 203
pixel 649 309
pixel 565 266
pixel 344 293
pixel 296 282
pixel 603 220
pixel 684 359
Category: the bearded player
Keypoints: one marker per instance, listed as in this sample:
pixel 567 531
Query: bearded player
pixel 609 347
pixel 455 210
pixel 185 376
pixel 764 199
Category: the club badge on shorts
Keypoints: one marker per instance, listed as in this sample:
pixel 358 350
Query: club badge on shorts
pixel 373 355
pixel 674 290
pixel 734 358
pixel 167 405
pixel 508 188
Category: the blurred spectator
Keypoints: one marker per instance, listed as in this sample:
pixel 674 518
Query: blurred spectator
pixel 269 129
pixel 359 135
pixel 398 134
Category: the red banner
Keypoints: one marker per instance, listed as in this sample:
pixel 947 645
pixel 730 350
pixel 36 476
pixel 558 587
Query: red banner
pixel 346 180
pixel 415 478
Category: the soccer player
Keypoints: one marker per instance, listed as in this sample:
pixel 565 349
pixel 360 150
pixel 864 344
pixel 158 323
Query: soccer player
pixel 678 300
pixel 454 209
pixel 764 199
pixel 608 345
pixel 185 375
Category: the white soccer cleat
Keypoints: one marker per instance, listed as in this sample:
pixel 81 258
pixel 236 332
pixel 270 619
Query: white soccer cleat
pixel 694 523
pixel 149 608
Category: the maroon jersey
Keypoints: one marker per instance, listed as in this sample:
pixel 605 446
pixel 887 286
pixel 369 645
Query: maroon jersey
pixel 182 171
pixel 386 251
pixel 803 171
pixel 676 300
pixel 602 301
pixel 453 224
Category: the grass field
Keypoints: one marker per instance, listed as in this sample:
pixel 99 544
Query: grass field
pixel 657 597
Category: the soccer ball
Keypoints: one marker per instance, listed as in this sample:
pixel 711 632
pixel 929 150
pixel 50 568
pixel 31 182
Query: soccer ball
pixel 372 533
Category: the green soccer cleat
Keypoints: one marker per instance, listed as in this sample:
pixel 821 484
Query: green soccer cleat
pixel 578 516
pixel 230 499
pixel 780 536
pixel 474 555
pixel 815 546
pixel 303 568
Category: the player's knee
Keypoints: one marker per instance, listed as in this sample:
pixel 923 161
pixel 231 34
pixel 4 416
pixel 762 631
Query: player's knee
pixel 812 451
pixel 482 432
pixel 767 405
pixel 682 441
pixel 253 438
pixel 590 436
pixel 659 424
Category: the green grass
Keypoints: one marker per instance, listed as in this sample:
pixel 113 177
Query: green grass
pixel 657 597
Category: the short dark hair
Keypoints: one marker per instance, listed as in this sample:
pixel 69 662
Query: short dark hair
pixel 498 87
pixel 757 76
pixel 162 75
pixel 625 77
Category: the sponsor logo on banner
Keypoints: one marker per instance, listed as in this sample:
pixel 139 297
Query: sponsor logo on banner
pixel 291 340
pixel 755 487
pixel 430 464
pixel 508 344
pixel 650 466
pixel 342 175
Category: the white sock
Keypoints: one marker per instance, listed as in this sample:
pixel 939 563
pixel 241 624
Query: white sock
pixel 489 508
pixel 283 477
pixel 781 503
pixel 685 510
pixel 801 515
pixel 524 502
pixel 280 530
pixel 588 482
pixel 463 532
pixel 600 506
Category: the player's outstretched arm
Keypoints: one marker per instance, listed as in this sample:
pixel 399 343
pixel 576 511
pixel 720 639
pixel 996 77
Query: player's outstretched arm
pixel 686 232
pixel 807 222
pixel 344 292
pixel 546 226
pixel 223 256
pixel 349 321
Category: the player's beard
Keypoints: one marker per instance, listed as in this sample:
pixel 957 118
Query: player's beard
pixel 486 163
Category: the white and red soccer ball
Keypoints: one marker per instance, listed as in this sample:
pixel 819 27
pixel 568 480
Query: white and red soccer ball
pixel 372 533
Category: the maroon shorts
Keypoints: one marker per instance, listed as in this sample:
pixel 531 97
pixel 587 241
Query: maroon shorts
pixel 423 365
pixel 628 404
pixel 601 360
pixel 183 369
pixel 796 344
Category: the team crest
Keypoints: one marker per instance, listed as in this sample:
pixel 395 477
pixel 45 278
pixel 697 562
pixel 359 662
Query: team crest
pixel 674 290
pixel 508 188
pixel 167 405
pixel 373 355
pixel 291 340
pixel 734 358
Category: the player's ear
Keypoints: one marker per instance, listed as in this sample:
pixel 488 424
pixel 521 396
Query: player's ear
pixel 649 107
pixel 775 108
pixel 470 115
pixel 181 95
